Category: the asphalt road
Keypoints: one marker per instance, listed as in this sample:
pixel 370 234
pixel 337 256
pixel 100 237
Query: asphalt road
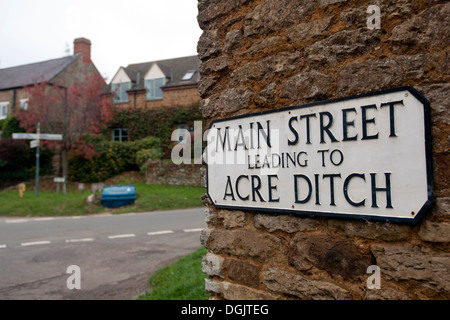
pixel 115 253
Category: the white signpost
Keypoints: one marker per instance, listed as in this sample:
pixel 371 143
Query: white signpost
pixel 366 156
pixel 35 143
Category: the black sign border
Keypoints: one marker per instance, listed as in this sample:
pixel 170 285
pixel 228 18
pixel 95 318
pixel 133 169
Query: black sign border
pixel 428 155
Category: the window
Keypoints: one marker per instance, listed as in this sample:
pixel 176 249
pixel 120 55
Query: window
pixel 24 104
pixel 189 75
pixel 120 90
pixel 153 87
pixel 120 134
pixel 3 109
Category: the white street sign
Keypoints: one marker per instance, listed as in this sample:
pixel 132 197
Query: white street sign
pixel 25 136
pixel 366 156
pixel 35 136
pixel 48 136
pixel 34 144
pixel 59 180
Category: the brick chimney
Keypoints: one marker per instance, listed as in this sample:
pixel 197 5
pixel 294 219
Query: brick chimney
pixel 83 46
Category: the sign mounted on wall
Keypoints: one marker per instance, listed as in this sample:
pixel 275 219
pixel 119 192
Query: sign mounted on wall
pixel 366 156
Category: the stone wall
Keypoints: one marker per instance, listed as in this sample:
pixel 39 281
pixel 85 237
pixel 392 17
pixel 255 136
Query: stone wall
pixel 267 54
pixel 168 173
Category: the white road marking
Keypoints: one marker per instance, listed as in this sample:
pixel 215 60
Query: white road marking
pixel 119 236
pixel 16 221
pixel 36 243
pixel 44 219
pixel 159 232
pixel 193 230
pixel 79 240
pixel 2 246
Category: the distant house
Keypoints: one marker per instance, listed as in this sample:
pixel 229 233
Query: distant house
pixel 62 72
pixel 163 83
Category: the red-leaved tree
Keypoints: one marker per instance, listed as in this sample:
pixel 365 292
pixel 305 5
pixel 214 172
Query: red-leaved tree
pixel 73 112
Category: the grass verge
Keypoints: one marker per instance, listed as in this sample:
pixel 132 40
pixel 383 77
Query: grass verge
pixel 49 203
pixel 183 280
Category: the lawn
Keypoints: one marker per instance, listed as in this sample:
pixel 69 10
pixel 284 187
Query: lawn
pixel 49 203
pixel 183 280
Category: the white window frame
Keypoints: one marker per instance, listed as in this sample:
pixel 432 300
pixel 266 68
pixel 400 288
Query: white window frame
pixel 4 109
pixel 24 104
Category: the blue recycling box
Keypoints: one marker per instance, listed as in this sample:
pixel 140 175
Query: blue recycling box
pixel 118 196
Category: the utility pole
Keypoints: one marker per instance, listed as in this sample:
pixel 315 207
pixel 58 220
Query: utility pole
pixel 37 157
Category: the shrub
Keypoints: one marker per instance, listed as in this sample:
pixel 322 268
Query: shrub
pixel 156 122
pixel 144 155
pixel 113 158
pixel 9 126
pixel 18 161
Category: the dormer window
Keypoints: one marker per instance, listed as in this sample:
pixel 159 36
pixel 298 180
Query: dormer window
pixel 120 90
pixel 120 84
pixel 188 75
pixel 153 87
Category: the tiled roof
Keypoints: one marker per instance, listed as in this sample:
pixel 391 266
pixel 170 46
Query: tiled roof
pixel 20 76
pixel 174 70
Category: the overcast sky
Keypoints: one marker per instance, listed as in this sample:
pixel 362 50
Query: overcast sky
pixel 122 32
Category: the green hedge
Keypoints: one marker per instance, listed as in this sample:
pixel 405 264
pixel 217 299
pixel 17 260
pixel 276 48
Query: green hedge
pixel 114 157
pixel 156 122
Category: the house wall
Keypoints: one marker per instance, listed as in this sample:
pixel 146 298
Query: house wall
pixel 77 71
pixel 178 97
pixel 8 96
pixel 266 54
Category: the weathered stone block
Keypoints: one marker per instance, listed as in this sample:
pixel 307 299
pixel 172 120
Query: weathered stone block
pixel 233 219
pixel 336 255
pixel 208 85
pixel 285 223
pixel 243 272
pixel 243 243
pixel 272 15
pixel 341 45
pixel 226 103
pixel 324 3
pixel 428 268
pixel 267 94
pixel 284 282
pixel 211 10
pixel 208 44
pixel 432 231
pixel 429 29
pixel 265 69
pixel 232 291
pixel 307 85
pixel 267 47
pixel 211 216
pixel 309 31
pixel 383 231
pixel 213 265
pixel 233 41
pixel 214 65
